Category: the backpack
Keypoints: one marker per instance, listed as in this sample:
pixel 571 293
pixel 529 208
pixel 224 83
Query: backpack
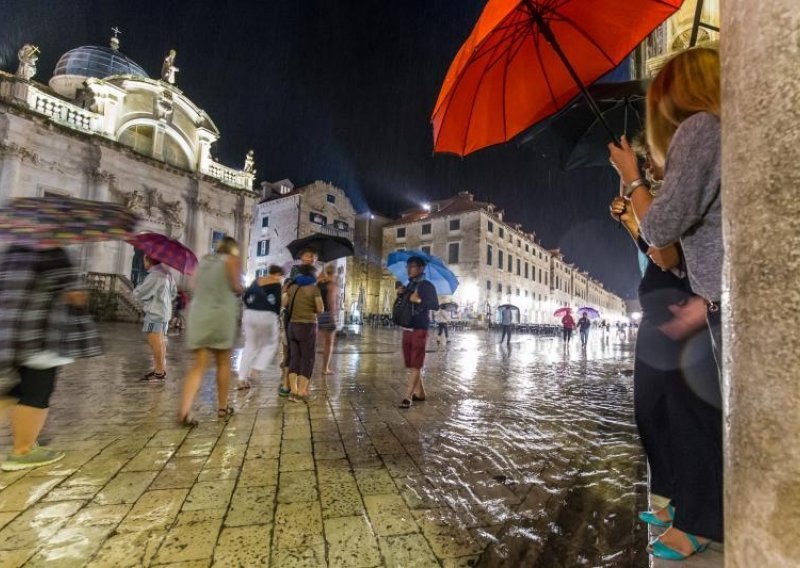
pixel 403 309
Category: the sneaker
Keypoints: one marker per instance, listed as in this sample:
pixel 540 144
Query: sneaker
pixel 283 391
pixel 37 457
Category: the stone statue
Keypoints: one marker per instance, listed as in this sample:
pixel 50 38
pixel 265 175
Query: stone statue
pixel 168 69
pixel 250 163
pixel 28 55
pixel 133 200
pixel 164 105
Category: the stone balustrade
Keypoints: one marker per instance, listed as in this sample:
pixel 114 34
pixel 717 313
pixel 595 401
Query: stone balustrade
pixel 229 176
pixel 64 113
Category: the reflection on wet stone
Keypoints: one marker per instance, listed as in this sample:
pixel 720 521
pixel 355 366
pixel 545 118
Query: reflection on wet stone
pixel 525 460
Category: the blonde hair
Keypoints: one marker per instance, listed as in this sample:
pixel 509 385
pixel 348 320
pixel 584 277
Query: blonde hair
pixel 228 245
pixel 689 83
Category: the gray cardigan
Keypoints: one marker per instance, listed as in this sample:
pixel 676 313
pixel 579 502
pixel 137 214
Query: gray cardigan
pixel 688 206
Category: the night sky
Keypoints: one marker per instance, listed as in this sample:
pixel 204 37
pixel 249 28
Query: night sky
pixel 342 91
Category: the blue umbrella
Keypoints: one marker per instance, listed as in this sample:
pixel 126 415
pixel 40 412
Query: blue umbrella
pixel 436 271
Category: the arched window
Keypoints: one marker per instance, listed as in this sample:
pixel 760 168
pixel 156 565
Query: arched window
pixel 139 138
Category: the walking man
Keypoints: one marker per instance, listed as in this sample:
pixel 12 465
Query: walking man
pixel 422 298
pixel 442 319
pixel 506 320
pixel 583 326
pixel 156 294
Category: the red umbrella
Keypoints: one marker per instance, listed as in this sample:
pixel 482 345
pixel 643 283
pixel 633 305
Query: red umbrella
pixel 561 312
pixel 164 249
pixel 527 59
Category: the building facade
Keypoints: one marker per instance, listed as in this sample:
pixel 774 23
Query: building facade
pixel 496 263
pixel 104 130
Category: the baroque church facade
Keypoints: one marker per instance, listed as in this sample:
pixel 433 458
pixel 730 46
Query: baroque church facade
pixel 103 129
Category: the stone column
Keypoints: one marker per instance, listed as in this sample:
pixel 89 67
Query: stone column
pixel 761 207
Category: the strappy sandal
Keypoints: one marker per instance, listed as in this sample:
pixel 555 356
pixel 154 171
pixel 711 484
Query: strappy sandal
pixel 405 403
pixel 225 412
pixel 153 376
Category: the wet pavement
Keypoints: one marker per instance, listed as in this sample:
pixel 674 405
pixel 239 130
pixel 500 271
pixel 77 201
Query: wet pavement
pixel 521 456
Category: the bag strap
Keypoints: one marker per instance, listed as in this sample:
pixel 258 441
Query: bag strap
pixel 291 304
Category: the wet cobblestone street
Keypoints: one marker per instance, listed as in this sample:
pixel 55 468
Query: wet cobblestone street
pixel 521 456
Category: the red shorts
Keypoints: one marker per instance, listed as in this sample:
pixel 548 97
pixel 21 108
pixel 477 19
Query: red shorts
pixel 414 344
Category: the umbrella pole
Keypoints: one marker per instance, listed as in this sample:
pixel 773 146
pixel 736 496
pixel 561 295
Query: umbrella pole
pixel 551 39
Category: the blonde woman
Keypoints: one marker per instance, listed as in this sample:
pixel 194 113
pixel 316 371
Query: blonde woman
pixel 683 131
pixel 329 290
pixel 211 325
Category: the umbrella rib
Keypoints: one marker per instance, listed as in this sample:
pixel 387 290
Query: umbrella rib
pixel 586 36
pixel 544 71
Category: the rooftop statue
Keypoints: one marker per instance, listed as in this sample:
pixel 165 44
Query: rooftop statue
pixel 250 163
pixel 168 69
pixel 28 55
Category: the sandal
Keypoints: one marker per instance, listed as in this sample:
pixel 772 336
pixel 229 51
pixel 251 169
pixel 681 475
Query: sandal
pixel 225 412
pixel 244 385
pixel 188 422
pixel 650 518
pixel 405 403
pixel 660 550
pixel 153 376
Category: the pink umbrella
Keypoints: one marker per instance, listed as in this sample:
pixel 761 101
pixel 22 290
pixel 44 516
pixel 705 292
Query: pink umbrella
pixel 164 249
pixel 561 312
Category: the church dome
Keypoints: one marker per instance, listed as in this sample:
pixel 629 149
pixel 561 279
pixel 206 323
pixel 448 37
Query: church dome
pixel 78 64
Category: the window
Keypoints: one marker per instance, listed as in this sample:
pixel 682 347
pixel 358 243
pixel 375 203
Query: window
pixel 527 247
pixel 517 291
pixel 452 253
pixel 331 198
pixel 519 243
pixel 263 248
pixel 455 224
pixel 519 265
pixel 510 263
pixel 526 270
pixel 545 278
pixel 426 229
pixel 216 236
pixel 341 225
pixel 557 282
pixel 489 260
pixel 526 293
pixel 401 233
pixel 500 259
pixel 318 218
pixel 499 288
pixel 261 272
pixel 508 290
pixel 426 249
pixel 265 222
pixel 488 285
pixel 501 232
pixel 490 227
pixel 401 249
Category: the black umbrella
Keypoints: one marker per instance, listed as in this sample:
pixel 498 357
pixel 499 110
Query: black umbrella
pixel 575 138
pixel 507 307
pixel 327 247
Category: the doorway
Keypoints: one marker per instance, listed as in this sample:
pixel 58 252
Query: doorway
pixel 138 271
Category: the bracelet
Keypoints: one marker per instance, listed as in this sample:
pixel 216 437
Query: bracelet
pixel 630 188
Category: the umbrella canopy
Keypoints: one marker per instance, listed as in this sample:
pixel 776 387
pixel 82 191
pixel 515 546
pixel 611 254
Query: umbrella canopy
pixel 527 59
pixel 436 271
pixel 507 307
pixel 561 312
pixel 60 221
pixel 327 247
pixel 575 138
pixel 590 313
pixel 164 249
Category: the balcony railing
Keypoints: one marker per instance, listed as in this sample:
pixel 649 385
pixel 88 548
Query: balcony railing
pixel 229 176
pixel 64 113
pixel 333 231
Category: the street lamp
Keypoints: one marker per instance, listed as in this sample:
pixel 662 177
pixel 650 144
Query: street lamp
pixel 426 206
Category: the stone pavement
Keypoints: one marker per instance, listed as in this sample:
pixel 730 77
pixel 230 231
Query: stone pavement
pixel 521 457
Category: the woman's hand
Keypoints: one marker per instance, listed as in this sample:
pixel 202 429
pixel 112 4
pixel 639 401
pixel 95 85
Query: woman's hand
pixel 687 319
pixel 619 210
pixel 624 161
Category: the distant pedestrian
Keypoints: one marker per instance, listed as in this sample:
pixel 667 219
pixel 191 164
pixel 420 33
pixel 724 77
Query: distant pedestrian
pixel 584 325
pixel 211 325
pixel 328 319
pixel 414 305
pixel 43 326
pixel 303 302
pixel 567 326
pixel 262 301
pixel 506 323
pixel 443 317
pixel 156 294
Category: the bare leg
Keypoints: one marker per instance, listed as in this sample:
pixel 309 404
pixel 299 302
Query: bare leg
pixel 26 424
pixel 293 383
pixel 223 377
pixel 302 386
pixel 414 383
pixel 156 342
pixel 191 383
pixel 328 341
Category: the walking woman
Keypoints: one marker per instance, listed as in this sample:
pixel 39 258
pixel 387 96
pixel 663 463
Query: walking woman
pixel 568 326
pixel 211 325
pixel 303 302
pixel 156 295
pixel 683 131
pixel 329 290
pixel 43 326
pixel 262 302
